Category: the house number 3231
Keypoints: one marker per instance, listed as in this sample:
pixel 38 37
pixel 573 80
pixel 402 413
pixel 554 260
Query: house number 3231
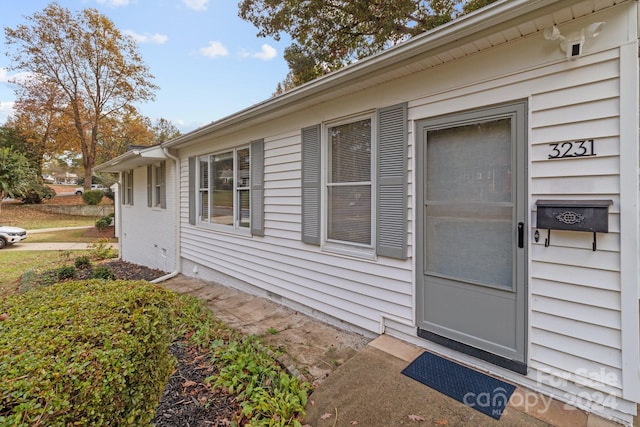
pixel 581 148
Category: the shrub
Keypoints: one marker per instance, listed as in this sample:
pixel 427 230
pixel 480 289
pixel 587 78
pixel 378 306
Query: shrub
pixel 103 223
pixel 37 194
pixel 92 197
pixel 268 395
pixel 101 249
pixel 65 272
pixel 103 272
pixel 86 353
pixel 82 262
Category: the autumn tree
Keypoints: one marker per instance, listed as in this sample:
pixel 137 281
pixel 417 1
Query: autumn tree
pixel 40 118
pixel 164 130
pixel 123 130
pixel 97 69
pixel 328 34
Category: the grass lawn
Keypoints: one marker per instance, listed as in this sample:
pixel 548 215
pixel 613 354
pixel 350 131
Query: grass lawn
pixel 23 216
pixel 63 236
pixel 14 263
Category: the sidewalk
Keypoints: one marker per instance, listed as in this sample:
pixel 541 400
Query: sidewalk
pixel 25 245
pixel 358 379
pixel 73 246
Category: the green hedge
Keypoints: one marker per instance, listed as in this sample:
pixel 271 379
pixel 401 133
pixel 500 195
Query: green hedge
pixel 86 353
pixel 97 353
pixel 92 197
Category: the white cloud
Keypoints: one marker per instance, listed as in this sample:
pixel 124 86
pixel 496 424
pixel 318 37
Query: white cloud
pixel 18 77
pixel 267 53
pixel 196 4
pixel 214 50
pixel 6 109
pixel 156 38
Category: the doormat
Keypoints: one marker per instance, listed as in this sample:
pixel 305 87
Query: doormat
pixel 475 389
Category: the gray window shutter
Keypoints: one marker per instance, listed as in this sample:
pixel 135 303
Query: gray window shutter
pixel 124 178
pixel 132 187
pixel 392 160
pixel 192 190
pixel 163 185
pixel 149 186
pixel 257 187
pixel 311 188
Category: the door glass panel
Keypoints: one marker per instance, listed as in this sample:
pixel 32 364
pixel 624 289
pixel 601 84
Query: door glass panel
pixel 469 210
pixel 470 243
pixel 470 163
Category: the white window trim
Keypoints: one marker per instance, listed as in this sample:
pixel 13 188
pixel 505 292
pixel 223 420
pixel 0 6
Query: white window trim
pixel 338 246
pixel 235 228
pixel 127 181
pixel 157 190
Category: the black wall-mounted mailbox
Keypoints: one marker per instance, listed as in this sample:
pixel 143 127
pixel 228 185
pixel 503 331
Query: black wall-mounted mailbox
pixel 573 215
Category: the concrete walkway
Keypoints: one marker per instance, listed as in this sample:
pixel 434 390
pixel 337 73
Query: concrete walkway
pixel 358 379
pixel 25 245
pixel 72 246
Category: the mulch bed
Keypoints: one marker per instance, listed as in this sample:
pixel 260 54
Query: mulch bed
pixel 122 270
pixel 187 399
pixel 106 233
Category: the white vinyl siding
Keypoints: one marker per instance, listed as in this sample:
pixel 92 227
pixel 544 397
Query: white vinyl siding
pixel 576 311
pixel 580 327
pixel 352 289
pixel 148 236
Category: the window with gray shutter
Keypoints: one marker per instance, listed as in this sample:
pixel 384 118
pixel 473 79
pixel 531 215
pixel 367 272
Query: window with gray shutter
pixel 392 182
pixel 311 185
pixel 257 187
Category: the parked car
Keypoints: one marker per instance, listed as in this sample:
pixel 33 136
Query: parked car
pixel 10 235
pixel 100 187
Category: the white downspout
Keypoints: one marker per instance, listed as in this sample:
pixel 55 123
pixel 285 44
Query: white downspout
pixel 117 205
pixel 175 272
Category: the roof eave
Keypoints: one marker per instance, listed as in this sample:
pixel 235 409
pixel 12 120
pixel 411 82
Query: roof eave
pixel 479 21
pixel 132 159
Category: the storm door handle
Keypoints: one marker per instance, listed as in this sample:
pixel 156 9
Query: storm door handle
pixel 521 235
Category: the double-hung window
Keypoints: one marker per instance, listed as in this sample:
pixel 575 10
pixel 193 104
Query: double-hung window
pixel 349 183
pixel 354 184
pixel 224 188
pixel 156 185
pixel 127 187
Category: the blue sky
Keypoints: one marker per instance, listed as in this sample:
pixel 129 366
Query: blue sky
pixel 207 62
